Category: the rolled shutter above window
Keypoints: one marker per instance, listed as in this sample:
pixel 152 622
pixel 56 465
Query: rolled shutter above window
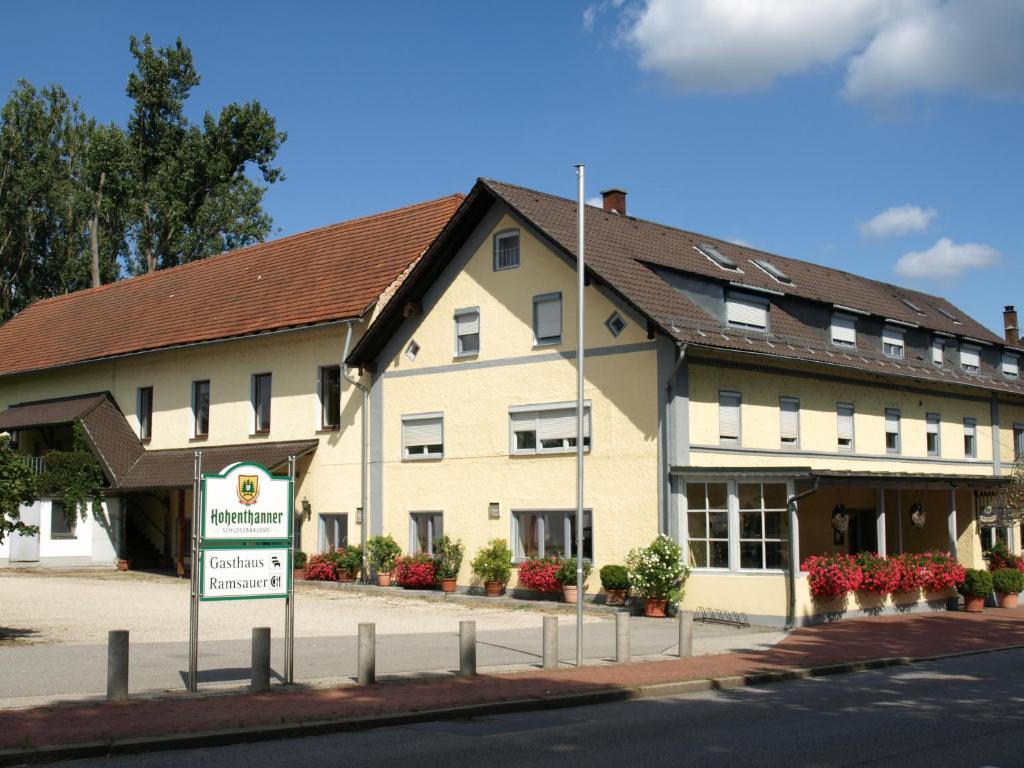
pixel 844 416
pixel 548 318
pixel 746 312
pixel 938 351
pixel 728 416
pixel 892 421
pixel 467 323
pixel 933 425
pixel 844 330
pixel 1011 366
pixel 789 419
pixel 422 431
pixel 970 357
pixel 892 336
pixel 561 424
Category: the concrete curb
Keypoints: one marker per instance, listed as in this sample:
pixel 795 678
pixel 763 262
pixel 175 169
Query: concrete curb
pixel 206 739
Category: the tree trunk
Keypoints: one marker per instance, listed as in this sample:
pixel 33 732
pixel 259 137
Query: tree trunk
pixel 94 236
pixel 150 255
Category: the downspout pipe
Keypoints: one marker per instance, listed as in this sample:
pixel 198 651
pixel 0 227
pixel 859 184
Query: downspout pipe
pixel 670 435
pixel 792 505
pixel 363 451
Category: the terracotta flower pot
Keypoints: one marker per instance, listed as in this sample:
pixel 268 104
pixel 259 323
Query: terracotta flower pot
pixel 974 604
pixel 124 564
pixel 494 588
pixel 654 608
pixel 447 585
pixel 569 593
pixel 1006 599
pixel 344 575
pixel 384 579
pixel 616 596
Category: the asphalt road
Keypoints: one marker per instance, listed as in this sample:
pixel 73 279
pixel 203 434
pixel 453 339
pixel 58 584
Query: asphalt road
pixel 959 712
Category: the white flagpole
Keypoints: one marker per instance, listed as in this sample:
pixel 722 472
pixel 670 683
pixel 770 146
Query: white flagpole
pixel 580 169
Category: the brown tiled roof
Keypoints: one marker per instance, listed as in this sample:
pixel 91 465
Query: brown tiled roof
pixel 46 413
pixel 325 274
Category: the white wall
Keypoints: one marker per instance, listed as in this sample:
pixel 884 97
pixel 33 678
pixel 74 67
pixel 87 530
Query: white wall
pixel 93 541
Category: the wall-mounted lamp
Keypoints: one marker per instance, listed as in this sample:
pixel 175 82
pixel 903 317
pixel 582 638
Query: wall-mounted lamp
pixel 493 511
pixel 917 515
pixel 359 515
pixel 307 509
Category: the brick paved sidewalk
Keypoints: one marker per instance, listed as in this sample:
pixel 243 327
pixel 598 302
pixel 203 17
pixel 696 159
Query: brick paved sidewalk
pixel 915 636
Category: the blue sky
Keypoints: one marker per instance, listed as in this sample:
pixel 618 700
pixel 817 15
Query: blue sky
pixel 789 133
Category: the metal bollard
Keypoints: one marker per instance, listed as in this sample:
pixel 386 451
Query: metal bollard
pixel 117 665
pixel 550 642
pixel 467 648
pixel 260 659
pixel 622 650
pixel 685 633
pixel 367 653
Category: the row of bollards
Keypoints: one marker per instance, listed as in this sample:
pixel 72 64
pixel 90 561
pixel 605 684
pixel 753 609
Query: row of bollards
pixel 117 652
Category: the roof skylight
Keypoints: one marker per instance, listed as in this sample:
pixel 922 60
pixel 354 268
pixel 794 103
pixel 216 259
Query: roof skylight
pixel 912 305
pixel 718 258
pixel 944 313
pixel 773 272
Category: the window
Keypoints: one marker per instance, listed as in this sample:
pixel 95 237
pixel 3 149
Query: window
pixel 412 350
pixel 844 330
pixel 1018 442
pixel 423 436
pixel 547 319
pixel 60 526
pixel 938 351
pixel 892 430
pixel 764 527
pixel 772 271
pixel 912 305
pixel 949 316
pixel 547 428
pixel 615 324
pixel 789 421
pixel 746 312
pixel 844 426
pixel 145 411
pixel 707 524
pixel 467 332
pixel 333 532
pixel 200 408
pixel 506 250
pixel 971 438
pixel 717 258
pixel 729 418
pixel 330 397
pixel 932 422
pixel 892 341
pixel 539 534
pixel 261 402
pixel 970 358
pixel 1011 366
pixel 424 529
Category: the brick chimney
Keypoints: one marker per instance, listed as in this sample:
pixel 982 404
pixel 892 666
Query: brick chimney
pixel 1010 324
pixel 614 201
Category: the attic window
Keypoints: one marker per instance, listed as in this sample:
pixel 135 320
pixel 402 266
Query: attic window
pixel 717 258
pixel 1011 366
pixel 970 358
pixel 615 324
pixel 912 305
pixel 946 314
pixel 773 272
pixel 746 312
pixel 412 350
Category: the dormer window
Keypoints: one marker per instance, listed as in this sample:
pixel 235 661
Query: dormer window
pixel 892 341
pixel 717 258
pixel 970 358
pixel 1011 366
pixel 844 330
pixel 743 311
pixel 938 351
pixel 506 250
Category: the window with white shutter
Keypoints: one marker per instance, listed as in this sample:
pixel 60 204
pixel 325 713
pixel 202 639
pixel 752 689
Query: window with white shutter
pixel 1011 366
pixel 746 312
pixel 970 358
pixel 548 428
pixel 467 332
pixel 844 330
pixel 932 422
pixel 547 319
pixel 938 351
pixel 892 430
pixel 729 418
pixel 844 426
pixel 892 341
pixel 789 421
pixel 970 438
pixel 423 436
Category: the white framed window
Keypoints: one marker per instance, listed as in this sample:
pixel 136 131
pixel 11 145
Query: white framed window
pixel 763 526
pixel 844 426
pixel 329 386
pixel 1011 365
pixel 423 436
pixel 892 341
pixel 742 311
pixel 933 422
pixel 970 358
pixel 412 350
pixel 844 330
pixel 938 351
pixel 789 421
pixel 424 529
pixel 539 533
pixel 261 399
pixel 61 527
pixel 729 418
pixel 467 332
pixel 707 525
pixel 201 408
pixel 615 324
pixel 506 249
pixel 144 409
pixel 546 428
pixel 547 319
pixel 892 430
pixel 333 532
pixel 970 438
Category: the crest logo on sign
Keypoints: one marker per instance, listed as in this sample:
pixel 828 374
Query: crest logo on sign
pixel 248 489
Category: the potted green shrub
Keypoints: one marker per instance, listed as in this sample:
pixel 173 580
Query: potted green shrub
pixel 493 564
pixel 383 551
pixel 976 588
pixel 448 554
pixel 566 575
pixel 657 574
pixel 615 580
pixel 1008 583
pixel 350 562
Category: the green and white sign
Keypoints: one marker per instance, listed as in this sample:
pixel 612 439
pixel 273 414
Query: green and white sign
pixel 244 572
pixel 245 503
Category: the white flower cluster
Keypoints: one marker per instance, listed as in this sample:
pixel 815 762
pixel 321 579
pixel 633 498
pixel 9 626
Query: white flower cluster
pixel 656 571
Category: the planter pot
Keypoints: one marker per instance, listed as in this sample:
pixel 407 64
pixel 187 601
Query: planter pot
pixel 569 593
pixel 1006 599
pixel 655 608
pixel 616 596
pixel 345 575
pixel 974 604
pixel 494 588
pixel 123 564
pixel 384 579
pixel 447 585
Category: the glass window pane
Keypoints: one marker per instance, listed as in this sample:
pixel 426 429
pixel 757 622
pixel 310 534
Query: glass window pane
pixel 776 554
pixel 718 496
pixel 588 535
pixel 554 535
pixel 529 536
pixel 698 526
pixel 774 495
pixel 750 525
pixel 421 526
pixel 526 441
pixel 719 554
pixel 698 554
pixel 750 554
pixel 695 496
pixel 750 495
pixel 718 523
pixel 775 525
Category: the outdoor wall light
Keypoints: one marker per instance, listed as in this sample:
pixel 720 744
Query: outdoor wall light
pixel 840 519
pixel 493 511
pixel 307 509
pixel 917 515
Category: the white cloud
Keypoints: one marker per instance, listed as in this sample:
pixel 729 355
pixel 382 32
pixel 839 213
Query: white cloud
pixel 887 47
pixel 947 259
pixel 898 220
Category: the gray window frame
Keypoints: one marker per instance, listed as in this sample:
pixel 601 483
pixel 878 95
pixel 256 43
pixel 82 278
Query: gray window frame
pixel 432 535
pixel 899 431
pixel 973 424
pixel 569 517
pixel 425 456
pixel 322 528
pixel 70 529
pixel 257 429
pixel 548 341
pixel 928 419
pixel 538 408
pixel 498 236
pixel 795 400
pixel 738 440
pixel 145 424
pixel 1018 444
pixel 196 434
pixel 610 324
pixel 851 448
pixel 459 350
pixel 328 398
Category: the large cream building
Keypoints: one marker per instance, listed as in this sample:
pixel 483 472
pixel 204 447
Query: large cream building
pixel 741 402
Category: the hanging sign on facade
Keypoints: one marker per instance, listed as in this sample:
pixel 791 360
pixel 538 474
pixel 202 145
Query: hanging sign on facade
pixel 245 503
pixel 244 572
